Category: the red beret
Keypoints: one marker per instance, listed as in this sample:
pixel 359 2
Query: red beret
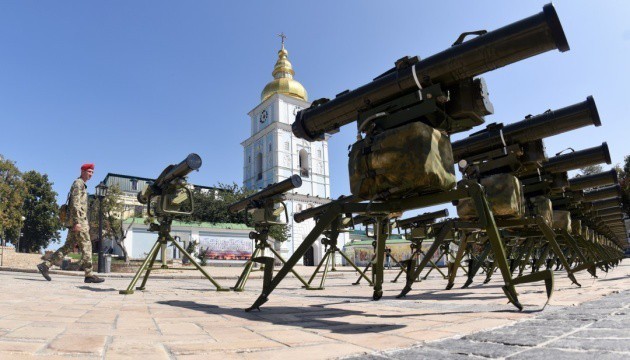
pixel 87 166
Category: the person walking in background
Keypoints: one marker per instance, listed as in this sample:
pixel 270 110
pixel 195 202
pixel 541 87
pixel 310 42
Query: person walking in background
pixel 78 228
pixel 388 257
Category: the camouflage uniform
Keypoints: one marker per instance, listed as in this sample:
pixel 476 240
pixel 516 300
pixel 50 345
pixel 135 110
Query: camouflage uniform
pixel 77 211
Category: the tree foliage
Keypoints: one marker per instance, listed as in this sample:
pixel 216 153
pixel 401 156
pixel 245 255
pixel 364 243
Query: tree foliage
pixel 42 224
pixel 12 193
pixel 624 180
pixel 114 214
pixel 212 207
pixel 591 169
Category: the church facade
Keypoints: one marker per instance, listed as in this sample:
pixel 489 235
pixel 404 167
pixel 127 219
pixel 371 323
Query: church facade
pixel 272 153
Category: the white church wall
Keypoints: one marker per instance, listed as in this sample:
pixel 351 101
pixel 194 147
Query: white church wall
pixel 283 161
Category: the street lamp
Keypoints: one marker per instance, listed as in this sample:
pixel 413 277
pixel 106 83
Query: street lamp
pixel 101 192
pixel 17 248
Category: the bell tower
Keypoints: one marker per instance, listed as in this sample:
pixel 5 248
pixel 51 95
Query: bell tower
pixel 272 153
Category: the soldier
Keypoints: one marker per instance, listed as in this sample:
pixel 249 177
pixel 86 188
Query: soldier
pixel 78 228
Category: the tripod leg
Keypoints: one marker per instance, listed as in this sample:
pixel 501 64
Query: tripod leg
pixel 194 262
pixel 367 267
pixel 361 274
pixel 434 266
pixel 403 266
pixel 142 268
pixel 330 255
pixel 240 283
pixel 486 219
pixel 551 238
pixel 382 229
pixel 412 275
pixel 306 285
pixel 399 264
pixel 149 268
pixel 457 264
pixel 324 221
pixel 321 262
pixel 476 264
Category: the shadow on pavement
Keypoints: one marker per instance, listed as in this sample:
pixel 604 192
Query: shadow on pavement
pixel 311 317
pixel 31 279
pixel 97 289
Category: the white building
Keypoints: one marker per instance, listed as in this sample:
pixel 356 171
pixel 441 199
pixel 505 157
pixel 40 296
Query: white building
pixel 227 244
pixel 272 153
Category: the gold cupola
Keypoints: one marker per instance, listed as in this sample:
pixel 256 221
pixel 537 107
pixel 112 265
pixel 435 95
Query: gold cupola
pixel 283 82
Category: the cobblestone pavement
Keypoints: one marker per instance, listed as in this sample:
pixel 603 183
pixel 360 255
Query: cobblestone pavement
pixel 598 329
pixel 185 318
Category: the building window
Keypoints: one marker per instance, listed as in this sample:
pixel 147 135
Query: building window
pixel 134 184
pixel 259 166
pixel 286 146
pixel 269 147
pixel 319 154
pixel 303 163
pixel 249 159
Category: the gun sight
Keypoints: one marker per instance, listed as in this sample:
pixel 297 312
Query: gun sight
pixel 256 200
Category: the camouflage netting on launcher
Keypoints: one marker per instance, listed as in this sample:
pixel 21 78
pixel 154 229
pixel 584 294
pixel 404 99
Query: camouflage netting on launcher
pixel 576 226
pixel 410 159
pixel 505 195
pixel 542 206
pixel 562 220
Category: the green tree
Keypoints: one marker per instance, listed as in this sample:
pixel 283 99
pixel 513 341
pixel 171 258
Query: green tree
pixel 212 206
pixel 12 193
pixel 591 169
pixel 42 224
pixel 114 214
pixel 624 182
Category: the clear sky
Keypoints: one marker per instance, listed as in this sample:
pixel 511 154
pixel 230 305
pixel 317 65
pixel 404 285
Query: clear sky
pixel 136 85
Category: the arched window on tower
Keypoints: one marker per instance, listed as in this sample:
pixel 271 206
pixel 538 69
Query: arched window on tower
pixel 304 163
pixel 259 166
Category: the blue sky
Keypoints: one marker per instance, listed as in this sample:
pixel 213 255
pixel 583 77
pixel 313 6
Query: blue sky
pixel 136 85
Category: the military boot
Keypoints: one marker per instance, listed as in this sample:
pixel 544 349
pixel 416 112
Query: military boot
pixel 43 269
pixel 93 279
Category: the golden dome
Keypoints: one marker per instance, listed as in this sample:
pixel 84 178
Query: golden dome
pixel 283 82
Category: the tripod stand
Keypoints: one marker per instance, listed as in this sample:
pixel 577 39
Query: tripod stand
pixel 164 238
pixel 330 243
pixel 416 246
pixel 261 238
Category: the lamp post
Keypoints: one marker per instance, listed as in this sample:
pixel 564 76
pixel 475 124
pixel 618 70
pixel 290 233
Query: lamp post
pixel 101 192
pixel 17 247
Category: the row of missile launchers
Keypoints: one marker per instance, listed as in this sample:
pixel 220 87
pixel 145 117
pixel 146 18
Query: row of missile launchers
pixel 519 214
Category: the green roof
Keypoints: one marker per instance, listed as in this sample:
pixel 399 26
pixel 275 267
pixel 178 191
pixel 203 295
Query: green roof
pixel 206 225
pixel 369 242
pixel 360 235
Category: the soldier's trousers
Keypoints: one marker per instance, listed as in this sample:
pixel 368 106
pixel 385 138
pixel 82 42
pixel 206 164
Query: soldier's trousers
pixel 82 239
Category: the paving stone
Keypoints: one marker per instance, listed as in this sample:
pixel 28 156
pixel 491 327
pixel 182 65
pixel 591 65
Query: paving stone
pixel 425 353
pixel 466 347
pixel 611 324
pixel 35 333
pixel 12 324
pixel 515 335
pixel 591 344
pixel 557 354
pixel 20 347
pixel 82 344
pixel 328 351
pixel 596 333
pixel 556 323
pixel 375 341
